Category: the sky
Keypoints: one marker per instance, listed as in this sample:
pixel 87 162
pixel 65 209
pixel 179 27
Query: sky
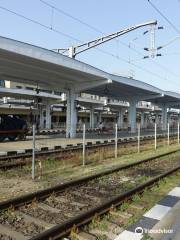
pixel 122 56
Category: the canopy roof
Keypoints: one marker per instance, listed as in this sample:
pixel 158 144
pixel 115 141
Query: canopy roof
pixel 170 99
pixel 27 94
pixel 25 63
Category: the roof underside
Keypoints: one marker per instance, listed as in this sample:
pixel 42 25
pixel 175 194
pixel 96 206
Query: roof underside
pixel 26 94
pixel 171 99
pixel 25 63
pixel 121 91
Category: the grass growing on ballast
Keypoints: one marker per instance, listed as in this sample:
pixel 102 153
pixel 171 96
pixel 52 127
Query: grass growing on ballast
pixel 18 181
pixel 143 202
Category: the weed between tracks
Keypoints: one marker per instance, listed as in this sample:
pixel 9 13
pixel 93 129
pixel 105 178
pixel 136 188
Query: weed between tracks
pixel 59 169
pixel 130 211
pixel 75 200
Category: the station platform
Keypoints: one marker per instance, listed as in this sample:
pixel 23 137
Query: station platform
pixel 53 140
pixel 161 222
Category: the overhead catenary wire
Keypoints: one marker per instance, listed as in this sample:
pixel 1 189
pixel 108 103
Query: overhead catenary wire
pixel 52 17
pixel 171 53
pixel 73 38
pixel 166 18
pixel 133 64
pixel 153 61
pixel 170 42
pixel 70 16
pixel 99 31
pixel 77 19
pixel 39 23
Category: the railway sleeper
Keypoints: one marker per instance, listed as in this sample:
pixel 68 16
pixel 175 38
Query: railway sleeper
pixel 88 196
pixel 37 221
pixel 100 233
pixel 11 234
pixel 85 236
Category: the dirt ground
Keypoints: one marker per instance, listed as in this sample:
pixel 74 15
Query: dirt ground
pixel 18 182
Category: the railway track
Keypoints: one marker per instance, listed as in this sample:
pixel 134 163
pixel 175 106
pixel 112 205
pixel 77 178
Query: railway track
pixel 13 159
pixel 53 212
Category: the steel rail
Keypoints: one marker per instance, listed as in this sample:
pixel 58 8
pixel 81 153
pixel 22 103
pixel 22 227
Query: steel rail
pixel 43 194
pixel 62 230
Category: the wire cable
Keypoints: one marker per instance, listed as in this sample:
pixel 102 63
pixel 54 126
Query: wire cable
pixel 162 15
pixel 40 24
pixel 73 38
pixel 99 31
pixel 69 15
pixel 153 61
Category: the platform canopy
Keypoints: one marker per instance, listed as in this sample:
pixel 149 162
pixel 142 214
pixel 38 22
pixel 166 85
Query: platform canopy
pixel 27 94
pixel 25 63
pixel 170 99
pixel 90 103
pixel 124 88
pixel 117 105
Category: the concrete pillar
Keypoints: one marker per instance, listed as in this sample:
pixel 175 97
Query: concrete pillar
pixel 164 118
pixel 41 120
pixel 71 115
pixel 95 121
pixel 100 117
pixel 157 118
pixel 169 117
pixel 142 120
pixel 120 119
pixel 179 118
pixel 92 117
pixel 48 116
pixel 132 116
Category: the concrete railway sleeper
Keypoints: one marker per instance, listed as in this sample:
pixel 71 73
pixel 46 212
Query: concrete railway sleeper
pixel 13 159
pixel 52 213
